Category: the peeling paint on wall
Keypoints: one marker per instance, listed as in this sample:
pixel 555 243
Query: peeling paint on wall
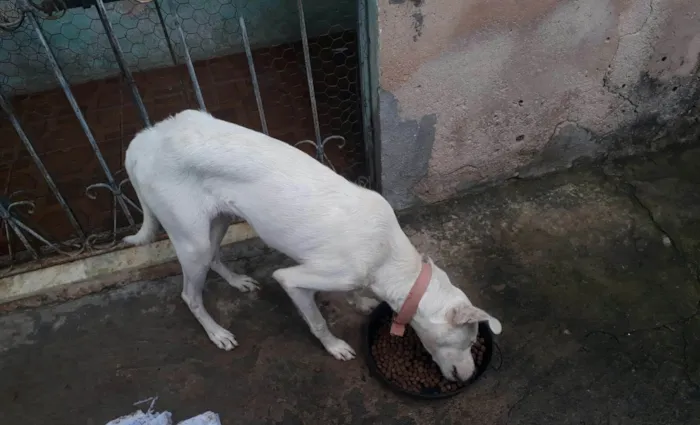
pixel 522 88
pixel 407 145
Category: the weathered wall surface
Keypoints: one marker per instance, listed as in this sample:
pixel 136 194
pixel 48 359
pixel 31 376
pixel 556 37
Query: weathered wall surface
pixel 473 92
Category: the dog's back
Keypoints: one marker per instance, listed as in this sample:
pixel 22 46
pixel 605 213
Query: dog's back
pixel 195 166
pixel 196 141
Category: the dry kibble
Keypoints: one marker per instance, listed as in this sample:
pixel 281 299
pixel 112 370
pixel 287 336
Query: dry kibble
pixel 405 362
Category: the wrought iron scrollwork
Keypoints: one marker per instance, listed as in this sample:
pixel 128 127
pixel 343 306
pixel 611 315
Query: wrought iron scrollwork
pixel 49 9
pixel 11 15
pixel 321 149
pixel 118 198
pixel 22 233
pixel 362 181
pixel 13 224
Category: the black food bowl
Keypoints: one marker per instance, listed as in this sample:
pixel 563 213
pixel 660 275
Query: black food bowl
pixel 425 387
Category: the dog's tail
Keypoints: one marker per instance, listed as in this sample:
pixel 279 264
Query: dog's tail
pixel 149 228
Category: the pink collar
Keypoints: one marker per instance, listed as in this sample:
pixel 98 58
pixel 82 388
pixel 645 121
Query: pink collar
pixel 410 304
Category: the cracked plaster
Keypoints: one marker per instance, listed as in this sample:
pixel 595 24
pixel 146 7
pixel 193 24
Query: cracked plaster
pixel 519 89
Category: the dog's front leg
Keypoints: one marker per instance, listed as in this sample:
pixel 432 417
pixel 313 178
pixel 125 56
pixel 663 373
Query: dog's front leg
pixel 294 280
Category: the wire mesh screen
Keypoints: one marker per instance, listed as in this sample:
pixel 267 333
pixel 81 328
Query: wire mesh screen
pixel 334 61
pixel 78 200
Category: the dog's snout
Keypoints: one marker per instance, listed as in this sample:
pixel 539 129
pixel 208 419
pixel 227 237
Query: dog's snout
pixel 455 373
pixel 458 374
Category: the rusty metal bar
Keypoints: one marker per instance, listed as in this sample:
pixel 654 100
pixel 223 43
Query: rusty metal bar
pixel 188 58
pixel 78 113
pixel 10 222
pixel 310 80
pixel 7 107
pixel 173 56
pixel 171 49
pixel 253 75
pixel 119 55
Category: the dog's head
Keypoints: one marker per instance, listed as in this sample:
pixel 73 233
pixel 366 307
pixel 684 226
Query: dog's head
pixel 449 330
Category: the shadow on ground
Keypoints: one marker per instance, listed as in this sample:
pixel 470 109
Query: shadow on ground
pixel 593 273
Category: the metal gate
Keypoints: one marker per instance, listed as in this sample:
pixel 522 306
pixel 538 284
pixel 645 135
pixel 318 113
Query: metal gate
pixel 298 80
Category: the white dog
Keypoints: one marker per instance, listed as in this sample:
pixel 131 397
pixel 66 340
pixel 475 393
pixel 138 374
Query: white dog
pixel 193 173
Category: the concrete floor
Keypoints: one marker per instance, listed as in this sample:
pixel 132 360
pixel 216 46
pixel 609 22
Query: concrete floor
pixel 593 273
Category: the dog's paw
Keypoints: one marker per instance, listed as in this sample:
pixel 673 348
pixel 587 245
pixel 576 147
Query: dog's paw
pixel 131 240
pixel 340 350
pixel 136 240
pixel 222 338
pixel 244 283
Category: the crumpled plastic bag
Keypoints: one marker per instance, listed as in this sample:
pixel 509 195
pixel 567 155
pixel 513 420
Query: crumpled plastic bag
pixel 140 418
pixel 164 418
pixel 207 418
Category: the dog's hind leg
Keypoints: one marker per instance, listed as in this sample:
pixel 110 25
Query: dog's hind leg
pixel 241 282
pixel 293 279
pixel 194 252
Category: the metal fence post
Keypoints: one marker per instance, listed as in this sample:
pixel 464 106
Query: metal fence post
pixel 119 55
pixel 310 81
pixel 78 113
pixel 253 75
pixel 188 58
pixel 7 107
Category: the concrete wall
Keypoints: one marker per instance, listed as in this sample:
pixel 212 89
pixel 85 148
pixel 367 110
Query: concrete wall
pixel 211 28
pixel 474 92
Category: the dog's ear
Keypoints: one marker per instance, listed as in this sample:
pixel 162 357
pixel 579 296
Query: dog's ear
pixel 464 313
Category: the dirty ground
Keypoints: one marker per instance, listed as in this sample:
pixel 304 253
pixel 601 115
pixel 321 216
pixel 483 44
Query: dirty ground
pixel 594 274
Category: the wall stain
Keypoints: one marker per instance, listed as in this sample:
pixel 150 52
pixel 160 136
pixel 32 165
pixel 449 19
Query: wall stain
pixel 418 17
pixel 407 145
pixel 417 24
pixel 575 145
